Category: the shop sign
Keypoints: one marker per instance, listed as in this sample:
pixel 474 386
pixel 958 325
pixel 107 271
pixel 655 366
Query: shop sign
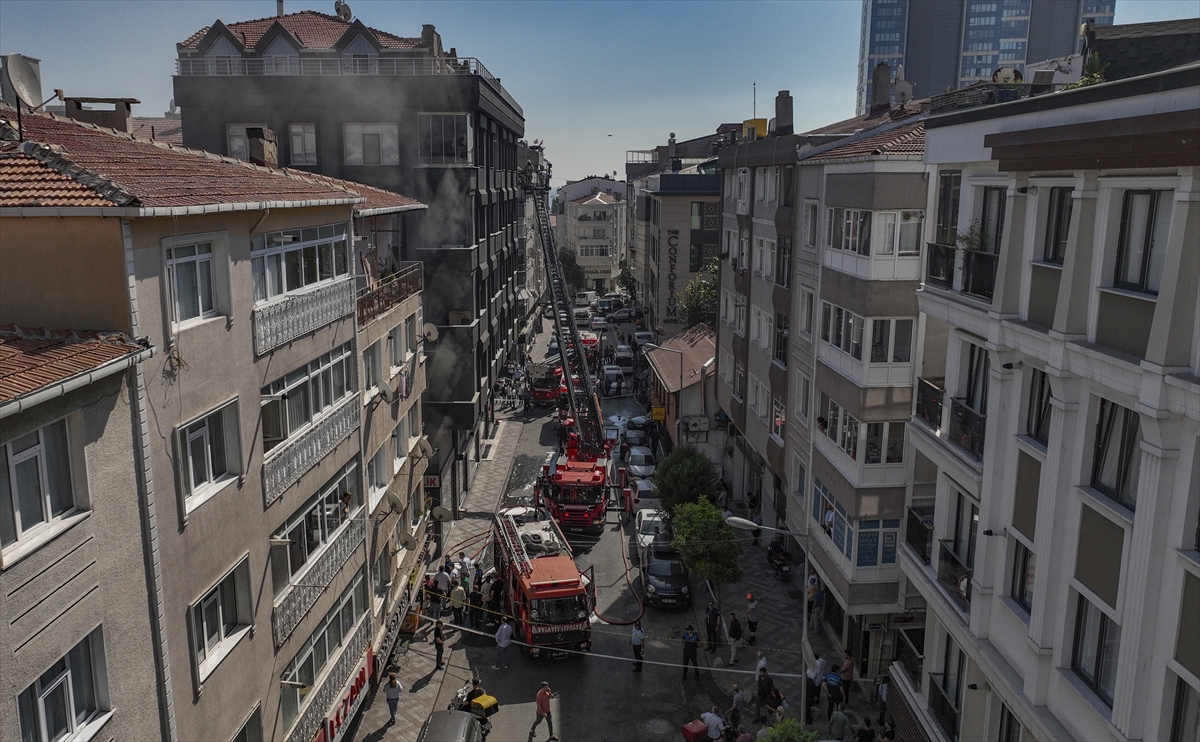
pixel 351 698
pixel 432 481
pixel 874 627
pixel 658 413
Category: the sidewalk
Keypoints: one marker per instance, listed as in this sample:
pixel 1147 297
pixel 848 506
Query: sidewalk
pixel 413 661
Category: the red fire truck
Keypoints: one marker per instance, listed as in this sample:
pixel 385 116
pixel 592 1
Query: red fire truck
pixel 574 490
pixel 549 599
pixel 543 384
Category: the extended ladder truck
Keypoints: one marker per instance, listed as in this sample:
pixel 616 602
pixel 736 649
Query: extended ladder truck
pixel 574 484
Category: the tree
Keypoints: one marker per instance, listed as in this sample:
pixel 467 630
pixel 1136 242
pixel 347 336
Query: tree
pixel 686 475
pixel 701 296
pixel 791 730
pixel 625 279
pixel 707 544
pixel 572 273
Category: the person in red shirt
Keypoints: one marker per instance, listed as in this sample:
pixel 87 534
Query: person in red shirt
pixel 543 712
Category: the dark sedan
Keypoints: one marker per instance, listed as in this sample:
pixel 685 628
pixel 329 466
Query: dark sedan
pixel 665 578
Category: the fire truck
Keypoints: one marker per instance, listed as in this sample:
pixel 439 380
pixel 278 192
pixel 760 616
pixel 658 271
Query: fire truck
pixel 549 599
pixel 543 384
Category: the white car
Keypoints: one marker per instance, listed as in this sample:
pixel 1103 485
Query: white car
pixel 599 323
pixel 643 336
pixel 646 524
pixel 639 463
pixel 645 495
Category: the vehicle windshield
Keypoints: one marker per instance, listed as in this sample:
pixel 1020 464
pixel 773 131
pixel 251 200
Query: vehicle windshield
pixel 641 459
pixel 558 610
pixel 665 568
pixel 649 524
pixel 579 495
pixel 544 382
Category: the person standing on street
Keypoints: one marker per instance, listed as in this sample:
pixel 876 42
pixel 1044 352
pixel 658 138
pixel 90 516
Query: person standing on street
pixel 763 690
pixel 475 606
pixel 735 637
pixel 846 672
pixel 504 635
pixel 711 719
pixel 495 597
pixel 865 733
pixel 838 723
pixel 712 625
pixel 761 664
pixel 691 645
pixel 442 580
pixel 465 566
pixel 391 692
pixel 439 643
pixel 458 600
pixel 751 618
pixel 883 694
pixel 543 712
pixel 833 692
pixel 735 708
pixel 637 640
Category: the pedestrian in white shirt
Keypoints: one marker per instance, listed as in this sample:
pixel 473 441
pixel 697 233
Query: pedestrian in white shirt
pixel 761 664
pixel 716 727
pixel 504 634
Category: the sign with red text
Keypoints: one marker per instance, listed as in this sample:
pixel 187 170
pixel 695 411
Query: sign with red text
pixel 350 699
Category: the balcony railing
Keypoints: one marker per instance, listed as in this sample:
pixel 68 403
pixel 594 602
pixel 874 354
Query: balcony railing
pixel 966 428
pixel 909 656
pixel 943 707
pixel 919 534
pixel 954 575
pixel 337 66
pixel 300 597
pixel 979 273
pixel 390 292
pixel 930 395
pixel 287 462
pixel 281 322
pixel 939 268
pixel 319 701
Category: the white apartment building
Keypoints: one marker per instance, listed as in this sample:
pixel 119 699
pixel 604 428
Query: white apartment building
pixel 591 223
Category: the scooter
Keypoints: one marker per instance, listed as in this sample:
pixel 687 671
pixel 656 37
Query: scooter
pixel 459 703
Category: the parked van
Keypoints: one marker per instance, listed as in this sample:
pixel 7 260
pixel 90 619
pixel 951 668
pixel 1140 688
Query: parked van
pixel 604 306
pixel 585 298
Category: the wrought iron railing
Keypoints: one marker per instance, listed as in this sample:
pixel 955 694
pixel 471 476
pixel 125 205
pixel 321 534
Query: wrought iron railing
pixel 930 396
pixel 979 273
pixel 954 575
pixel 287 462
pixel 391 291
pixel 299 599
pixel 967 428
pixel 944 709
pixel 919 533
pixel 320 700
pixel 939 267
pixel 282 321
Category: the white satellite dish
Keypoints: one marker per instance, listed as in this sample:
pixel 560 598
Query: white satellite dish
pixel 1006 75
pixel 407 540
pixel 903 90
pixel 426 449
pixel 24 80
pixel 395 502
pixel 386 391
pixel 430 332
pixel 441 513
pixel 342 10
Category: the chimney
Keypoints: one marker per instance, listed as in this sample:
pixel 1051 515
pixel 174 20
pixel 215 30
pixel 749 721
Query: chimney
pixel 262 146
pixel 783 113
pixel 881 82
pixel 279 7
pixel 119 117
pixel 671 147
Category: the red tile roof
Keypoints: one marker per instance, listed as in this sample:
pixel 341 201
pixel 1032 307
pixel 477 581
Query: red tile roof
pixel 169 130
pixel 26 181
pixel 871 120
pixel 32 358
pixel 377 198
pixel 314 30
pixel 903 140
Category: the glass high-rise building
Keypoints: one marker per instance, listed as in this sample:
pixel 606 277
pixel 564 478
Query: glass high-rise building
pixel 950 43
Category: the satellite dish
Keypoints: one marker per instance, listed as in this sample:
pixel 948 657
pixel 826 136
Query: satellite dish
pixel 1006 75
pixel 342 10
pixel 407 540
pixel 426 449
pixel 394 501
pixel 386 391
pixel 903 90
pixel 430 332
pixel 24 80
pixel 441 513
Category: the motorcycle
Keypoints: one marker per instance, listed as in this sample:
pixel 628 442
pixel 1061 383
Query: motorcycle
pixel 460 703
pixel 779 559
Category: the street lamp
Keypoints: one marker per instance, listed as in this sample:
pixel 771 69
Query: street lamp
pixel 743 524
pixel 678 394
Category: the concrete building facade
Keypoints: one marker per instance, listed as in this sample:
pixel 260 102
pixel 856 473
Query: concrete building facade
pixel 591 224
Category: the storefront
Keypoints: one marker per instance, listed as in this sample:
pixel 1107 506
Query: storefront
pixel 348 702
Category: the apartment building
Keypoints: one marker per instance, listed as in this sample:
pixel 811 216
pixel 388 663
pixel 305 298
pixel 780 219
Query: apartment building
pixel 338 95
pixel 78 644
pixel 1054 514
pixel 591 222
pixel 278 455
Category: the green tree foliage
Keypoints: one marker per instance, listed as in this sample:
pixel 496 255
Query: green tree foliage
pixel 572 273
pixel 707 544
pixel 1091 74
pixel 701 295
pixel 686 475
pixel 790 730
pixel 625 279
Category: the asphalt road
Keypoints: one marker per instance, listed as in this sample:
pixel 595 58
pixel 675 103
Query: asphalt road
pixel 600 700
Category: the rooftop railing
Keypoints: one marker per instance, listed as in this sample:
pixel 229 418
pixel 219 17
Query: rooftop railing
pixel 391 291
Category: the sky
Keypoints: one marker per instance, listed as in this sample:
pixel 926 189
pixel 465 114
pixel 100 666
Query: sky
pixel 595 78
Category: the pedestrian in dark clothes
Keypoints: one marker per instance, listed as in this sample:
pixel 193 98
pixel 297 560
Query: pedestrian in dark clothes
pixel 691 646
pixel 833 692
pixel 712 625
pixel 495 596
pixel 439 643
pixel 475 602
pixel 762 692
pixel 735 636
pixel 637 640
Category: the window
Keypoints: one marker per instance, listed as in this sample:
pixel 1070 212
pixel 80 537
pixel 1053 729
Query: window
pixel 1058 224
pixel 294 401
pixel 760 184
pixel 289 261
pixel 848 229
pixel 67 695
pixel 371 144
pixel 739 313
pixel 695 258
pixel 756 326
pixel 190 280
pixel 251 731
pixel 778 414
pixel 891 341
pixel 783 261
pixel 304 143
pixel 885 443
pixel 379 476
pixel 237 141
pixel 898 232
pixel 598 233
pixel 1024 570
pixel 1094 656
pixel 372 374
pixel 781 339
pixel 1037 416
pixel 806 311
pixel 1011 729
pixel 322 648
pixel 842 329
pixel 803 392
pixel 410 333
pixel 209 453
pixel 381 575
pixel 400 447
pixel 842 429
pixel 877 542
pixel 725 365
pixel 36 485
pixel 739 381
pixel 706 215
pixel 1185 722
pixel 760 255
pixel 757 401
pixel 219 617
pixel 949 184
pixel 992 223
pixel 772 195
pixel 978 370
pixel 397 349
pixel 810 225
pixel 446 138
pixel 313 527
pixel 1145 220
pixel 1117 456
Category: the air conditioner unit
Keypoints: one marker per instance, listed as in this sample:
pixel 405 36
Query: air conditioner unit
pixel 693 424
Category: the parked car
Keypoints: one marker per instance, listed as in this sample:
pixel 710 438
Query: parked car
pixel 639 463
pixel 645 495
pixel 636 430
pixel 664 576
pixel 548 311
pixel 643 336
pixel 623 357
pixel 604 306
pixel 614 381
pixel 599 323
pixel 646 520
pixel 583 317
pixel 621 315
pixel 451 726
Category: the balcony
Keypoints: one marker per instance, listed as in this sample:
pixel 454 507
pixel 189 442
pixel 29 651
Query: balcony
pixel 942 706
pixel 919 534
pixel 319 701
pixel 281 322
pixel 979 273
pixel 939 268
pixel 930 394
pixel 390 292
pixel 301 596
pixel 287 462
pixel 910 653
pixel 966 428
pixel 954 575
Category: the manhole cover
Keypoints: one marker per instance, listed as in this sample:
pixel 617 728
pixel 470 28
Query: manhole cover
pixel 655 726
